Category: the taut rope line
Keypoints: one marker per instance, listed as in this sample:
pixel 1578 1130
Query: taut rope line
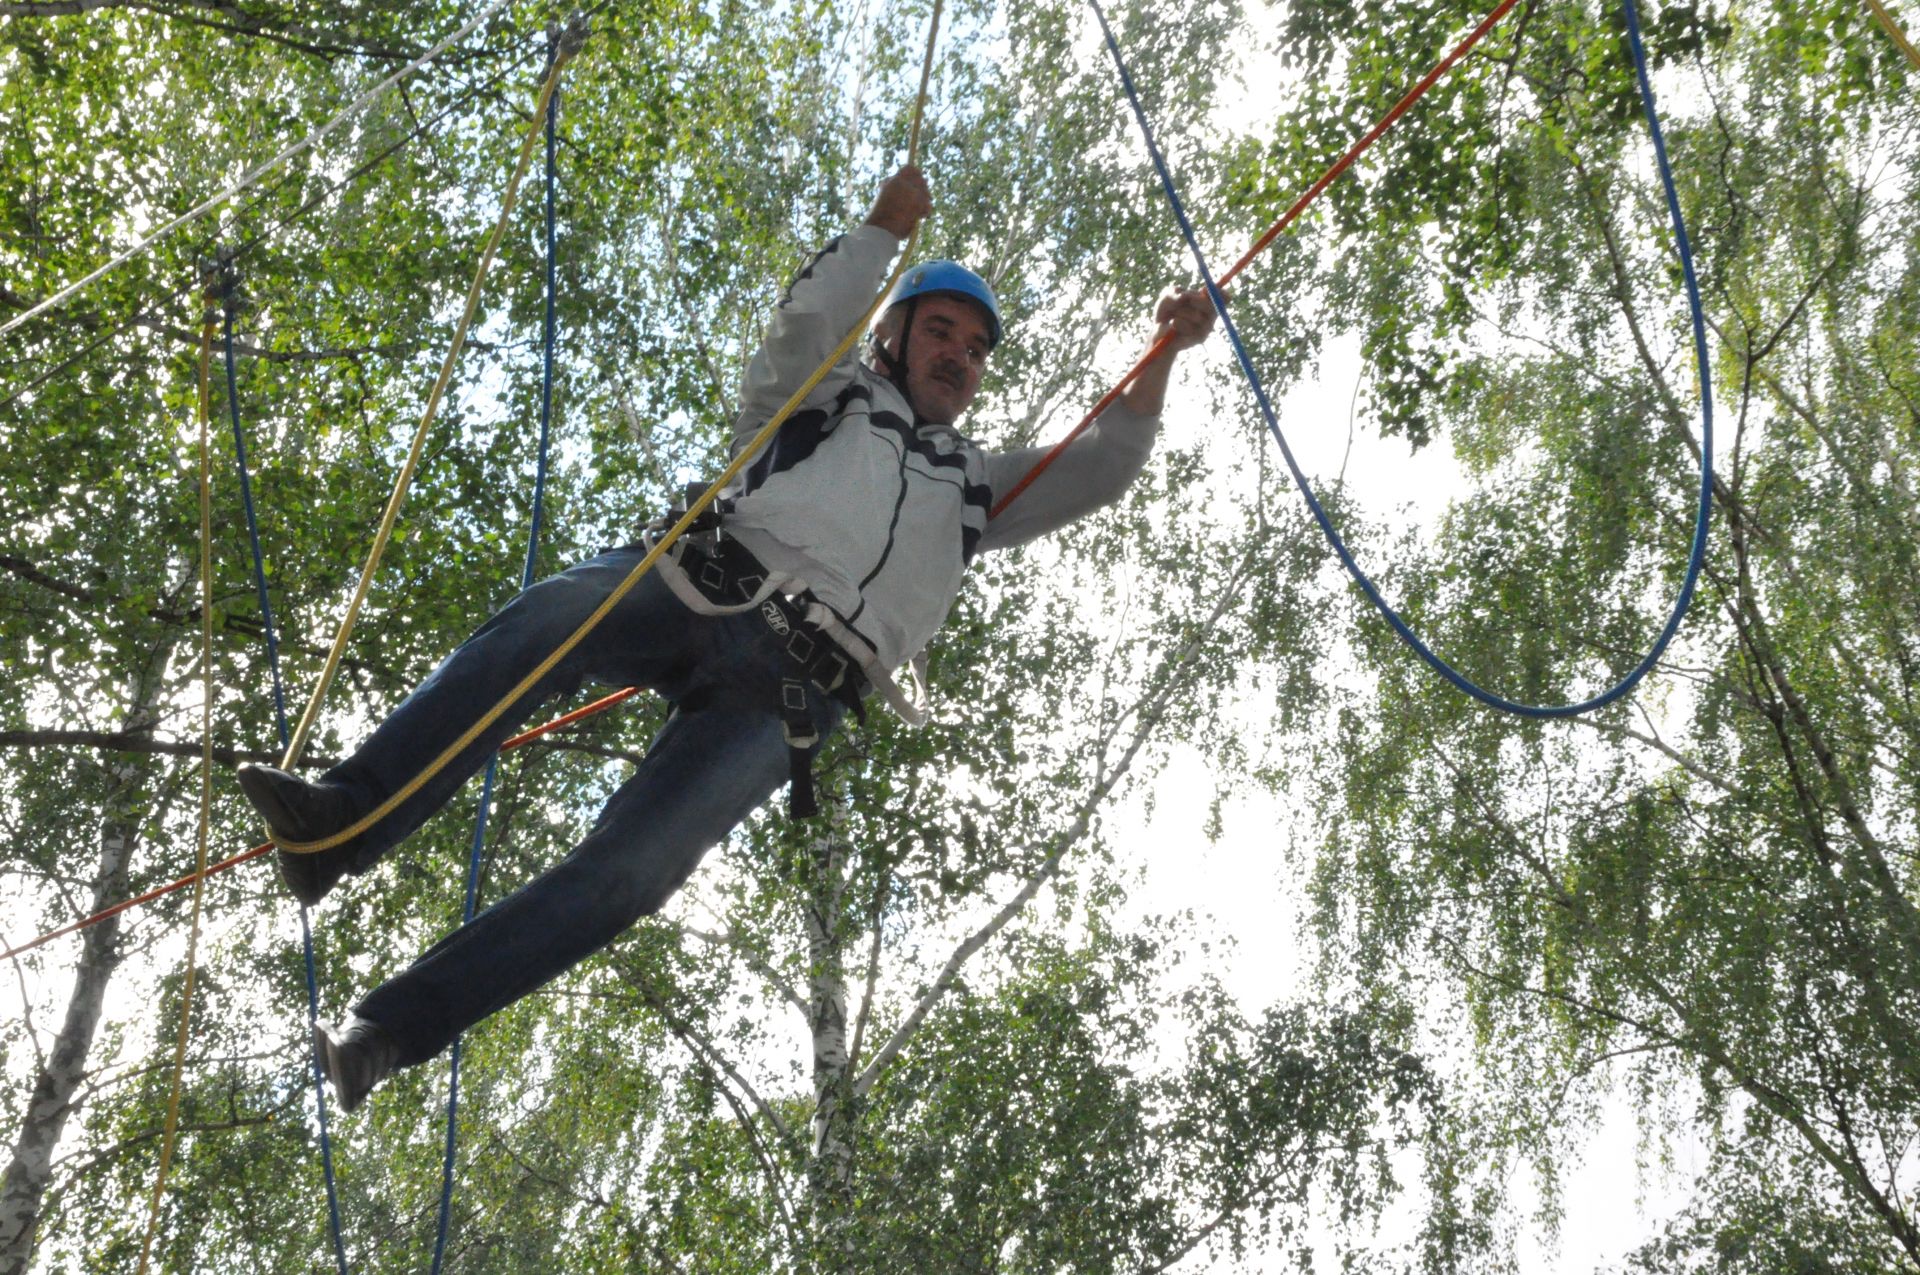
pixel 172 1127
pixel 306 143
pixel 1894 32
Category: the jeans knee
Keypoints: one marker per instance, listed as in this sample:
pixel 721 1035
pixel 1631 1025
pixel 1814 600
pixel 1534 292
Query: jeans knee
pixel 635 880
pixel 657 880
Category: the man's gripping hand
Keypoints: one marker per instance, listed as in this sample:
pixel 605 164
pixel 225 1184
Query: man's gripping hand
pixel 904 200
pixel 1184 318
pixel 1185 313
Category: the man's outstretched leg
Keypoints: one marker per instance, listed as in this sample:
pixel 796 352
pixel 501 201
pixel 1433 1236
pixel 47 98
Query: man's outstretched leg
pixel 708 769
pixel 649 640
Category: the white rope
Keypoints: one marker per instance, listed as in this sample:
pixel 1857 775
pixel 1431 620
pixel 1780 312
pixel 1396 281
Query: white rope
pixel 312 140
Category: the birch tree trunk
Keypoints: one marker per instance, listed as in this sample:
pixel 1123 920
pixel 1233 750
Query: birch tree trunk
pixel 830 1166
pixel 23 1188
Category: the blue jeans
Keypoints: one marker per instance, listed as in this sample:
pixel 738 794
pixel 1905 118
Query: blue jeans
pixel 721 753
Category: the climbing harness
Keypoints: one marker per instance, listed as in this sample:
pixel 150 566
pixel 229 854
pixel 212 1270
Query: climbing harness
pixel 715 574
pixel 1702 518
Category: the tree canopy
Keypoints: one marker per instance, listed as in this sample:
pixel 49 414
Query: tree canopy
pixel 918 1032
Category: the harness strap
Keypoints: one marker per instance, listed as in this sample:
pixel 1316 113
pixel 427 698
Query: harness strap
pixel 725 574
pixel 797 723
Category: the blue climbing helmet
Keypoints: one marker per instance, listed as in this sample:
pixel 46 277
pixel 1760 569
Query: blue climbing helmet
pixel 948 278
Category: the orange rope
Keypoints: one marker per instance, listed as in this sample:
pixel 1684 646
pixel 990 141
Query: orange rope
pixel 148 897
pixel 1261 244
pixel 600 705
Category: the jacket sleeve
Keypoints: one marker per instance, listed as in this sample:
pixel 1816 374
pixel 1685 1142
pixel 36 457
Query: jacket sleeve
pixel 824 300
pixel 1089 474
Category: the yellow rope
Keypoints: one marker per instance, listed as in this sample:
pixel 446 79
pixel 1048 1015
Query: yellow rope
pixel 298 742
pixel 633 578
pixel 206 791
pixel 562 55
pixel 1892 28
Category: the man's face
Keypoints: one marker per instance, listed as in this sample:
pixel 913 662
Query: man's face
pixel 946 353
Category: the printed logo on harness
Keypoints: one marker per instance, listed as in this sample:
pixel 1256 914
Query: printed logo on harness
pixel 776 621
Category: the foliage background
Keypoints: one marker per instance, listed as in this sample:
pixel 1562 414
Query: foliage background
pixel 945 1028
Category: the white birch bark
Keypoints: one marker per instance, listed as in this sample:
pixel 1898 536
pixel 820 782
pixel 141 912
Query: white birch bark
pixel 23 1187
pixel 830 1166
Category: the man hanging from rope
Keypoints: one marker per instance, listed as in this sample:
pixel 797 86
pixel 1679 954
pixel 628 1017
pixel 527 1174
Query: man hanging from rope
pixel 833 559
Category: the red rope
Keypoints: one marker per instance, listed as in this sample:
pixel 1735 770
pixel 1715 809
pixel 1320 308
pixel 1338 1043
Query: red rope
pixel 148 897
pixel 1261 244
pixel 598 706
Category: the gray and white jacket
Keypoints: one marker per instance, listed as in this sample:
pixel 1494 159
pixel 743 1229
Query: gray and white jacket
pixel 875 513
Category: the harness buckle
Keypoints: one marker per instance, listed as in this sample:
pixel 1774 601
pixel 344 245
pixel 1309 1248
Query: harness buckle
pixel 797 724
pixel 795 720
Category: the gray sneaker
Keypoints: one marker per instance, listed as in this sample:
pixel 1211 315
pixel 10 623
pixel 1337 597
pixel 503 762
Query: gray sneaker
pixel 355 1056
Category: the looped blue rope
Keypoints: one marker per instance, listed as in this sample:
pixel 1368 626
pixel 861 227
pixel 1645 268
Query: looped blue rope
pixel 478 848
pixel 1702 519
pixel 280 720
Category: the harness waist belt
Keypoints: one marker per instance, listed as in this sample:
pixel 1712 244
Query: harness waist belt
pixel 732 579
pixel 728 576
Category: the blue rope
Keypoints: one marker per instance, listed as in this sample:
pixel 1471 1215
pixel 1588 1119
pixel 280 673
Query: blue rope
pixel 280 720
pixel 478 847
pixel 1412 639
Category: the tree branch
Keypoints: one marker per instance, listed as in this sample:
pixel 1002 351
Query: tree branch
pixel 24 570
pixel 1149 710
pixel 136 742
pixel 388 350
pixel 1654 742
pixel 229 18
pixel 733 943
pixel 703 1045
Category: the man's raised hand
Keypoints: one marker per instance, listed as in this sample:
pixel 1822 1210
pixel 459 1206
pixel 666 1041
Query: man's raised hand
pixel 904 200
pixel 1188 314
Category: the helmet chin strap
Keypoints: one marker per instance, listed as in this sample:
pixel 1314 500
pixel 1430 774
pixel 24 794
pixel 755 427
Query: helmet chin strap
pixel 896 364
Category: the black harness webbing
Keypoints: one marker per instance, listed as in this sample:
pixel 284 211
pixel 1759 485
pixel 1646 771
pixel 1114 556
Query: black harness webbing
pixel 727 575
